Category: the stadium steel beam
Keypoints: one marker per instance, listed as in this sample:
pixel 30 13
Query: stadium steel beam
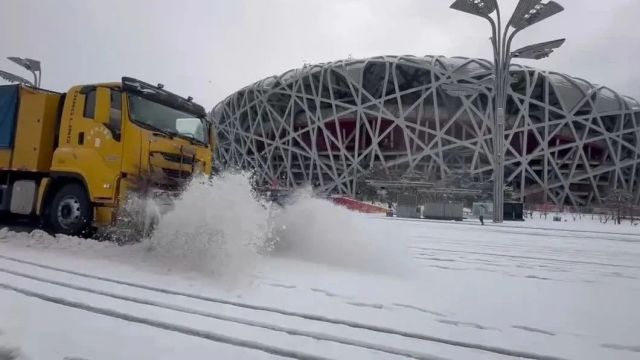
pixel 527 13
pixel 395 118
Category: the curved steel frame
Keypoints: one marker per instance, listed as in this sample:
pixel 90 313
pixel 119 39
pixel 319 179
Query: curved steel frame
pixel 567 141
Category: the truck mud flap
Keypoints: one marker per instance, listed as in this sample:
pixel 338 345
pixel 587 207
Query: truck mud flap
pixel 5 197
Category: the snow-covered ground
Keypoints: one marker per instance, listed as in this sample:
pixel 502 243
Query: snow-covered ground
pixel 343 286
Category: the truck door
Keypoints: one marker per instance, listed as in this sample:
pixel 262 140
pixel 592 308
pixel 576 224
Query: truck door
pixel 103 137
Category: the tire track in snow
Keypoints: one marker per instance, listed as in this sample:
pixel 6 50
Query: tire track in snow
pixel 320 318
pixel 491 225
pixel 568 261
pixel 165 325
pixel 238 320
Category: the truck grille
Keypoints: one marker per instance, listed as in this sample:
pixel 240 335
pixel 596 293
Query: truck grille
pixel 176 174
pixel 177 158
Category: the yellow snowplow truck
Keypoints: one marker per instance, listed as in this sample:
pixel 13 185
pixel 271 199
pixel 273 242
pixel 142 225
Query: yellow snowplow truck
pixel 72 158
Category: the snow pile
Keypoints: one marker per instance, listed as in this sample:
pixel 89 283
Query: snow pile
pixel 6 234
pixel 41 240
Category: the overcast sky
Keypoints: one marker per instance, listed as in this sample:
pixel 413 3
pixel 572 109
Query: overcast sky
pixel 210 48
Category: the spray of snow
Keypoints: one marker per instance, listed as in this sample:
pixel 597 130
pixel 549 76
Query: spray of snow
pixel 221 227
pixel 216 226
pixel 317 230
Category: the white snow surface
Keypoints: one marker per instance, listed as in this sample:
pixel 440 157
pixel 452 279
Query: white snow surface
pixel 341 286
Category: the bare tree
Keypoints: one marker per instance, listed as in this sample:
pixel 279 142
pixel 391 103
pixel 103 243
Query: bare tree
pixel 620 202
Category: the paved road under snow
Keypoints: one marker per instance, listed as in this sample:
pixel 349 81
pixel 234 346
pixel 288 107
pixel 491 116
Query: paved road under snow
pixel 460 291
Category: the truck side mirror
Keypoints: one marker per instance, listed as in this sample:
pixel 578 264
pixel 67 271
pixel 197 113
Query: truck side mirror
pixel 103 105
pixel 213 137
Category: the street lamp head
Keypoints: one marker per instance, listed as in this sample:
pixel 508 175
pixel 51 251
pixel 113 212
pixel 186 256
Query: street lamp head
pixel 29 64
pixel 482 8
pixel 529 12
pixel 539 55
pixel 14 78
pixel 538 51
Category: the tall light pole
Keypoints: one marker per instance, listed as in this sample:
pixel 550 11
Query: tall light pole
pixel 30 65
pixel 14 78
pixel 527 13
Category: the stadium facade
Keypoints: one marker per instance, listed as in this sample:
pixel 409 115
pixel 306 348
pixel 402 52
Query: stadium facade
pixel 567 141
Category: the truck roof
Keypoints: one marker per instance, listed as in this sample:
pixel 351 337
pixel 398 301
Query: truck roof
pixel 146 90
pixel 160 95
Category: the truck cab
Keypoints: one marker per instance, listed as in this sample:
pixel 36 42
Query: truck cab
pixel 72 159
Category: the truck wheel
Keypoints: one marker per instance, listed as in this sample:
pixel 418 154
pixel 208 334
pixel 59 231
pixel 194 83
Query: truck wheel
pixel 71 212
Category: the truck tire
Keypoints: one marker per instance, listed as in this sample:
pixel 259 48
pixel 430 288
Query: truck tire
pixel 71 212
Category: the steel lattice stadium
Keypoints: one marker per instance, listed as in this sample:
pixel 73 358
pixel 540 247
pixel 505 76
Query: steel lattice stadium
pixel 567 141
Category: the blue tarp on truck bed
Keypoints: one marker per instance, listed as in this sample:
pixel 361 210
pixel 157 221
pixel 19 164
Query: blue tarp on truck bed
pixel 8 109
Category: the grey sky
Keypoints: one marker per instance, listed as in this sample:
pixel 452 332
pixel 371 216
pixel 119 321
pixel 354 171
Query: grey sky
pixel 210 48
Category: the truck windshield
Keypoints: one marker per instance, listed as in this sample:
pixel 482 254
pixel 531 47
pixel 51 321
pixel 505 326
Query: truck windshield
pixel 166 119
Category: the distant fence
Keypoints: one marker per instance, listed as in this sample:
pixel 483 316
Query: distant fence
pixel 448 211
pixel 438 211
pixel 512 211
pixel 552 208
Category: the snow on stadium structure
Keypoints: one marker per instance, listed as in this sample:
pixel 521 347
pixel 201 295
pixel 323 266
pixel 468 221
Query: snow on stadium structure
pixel 567 141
